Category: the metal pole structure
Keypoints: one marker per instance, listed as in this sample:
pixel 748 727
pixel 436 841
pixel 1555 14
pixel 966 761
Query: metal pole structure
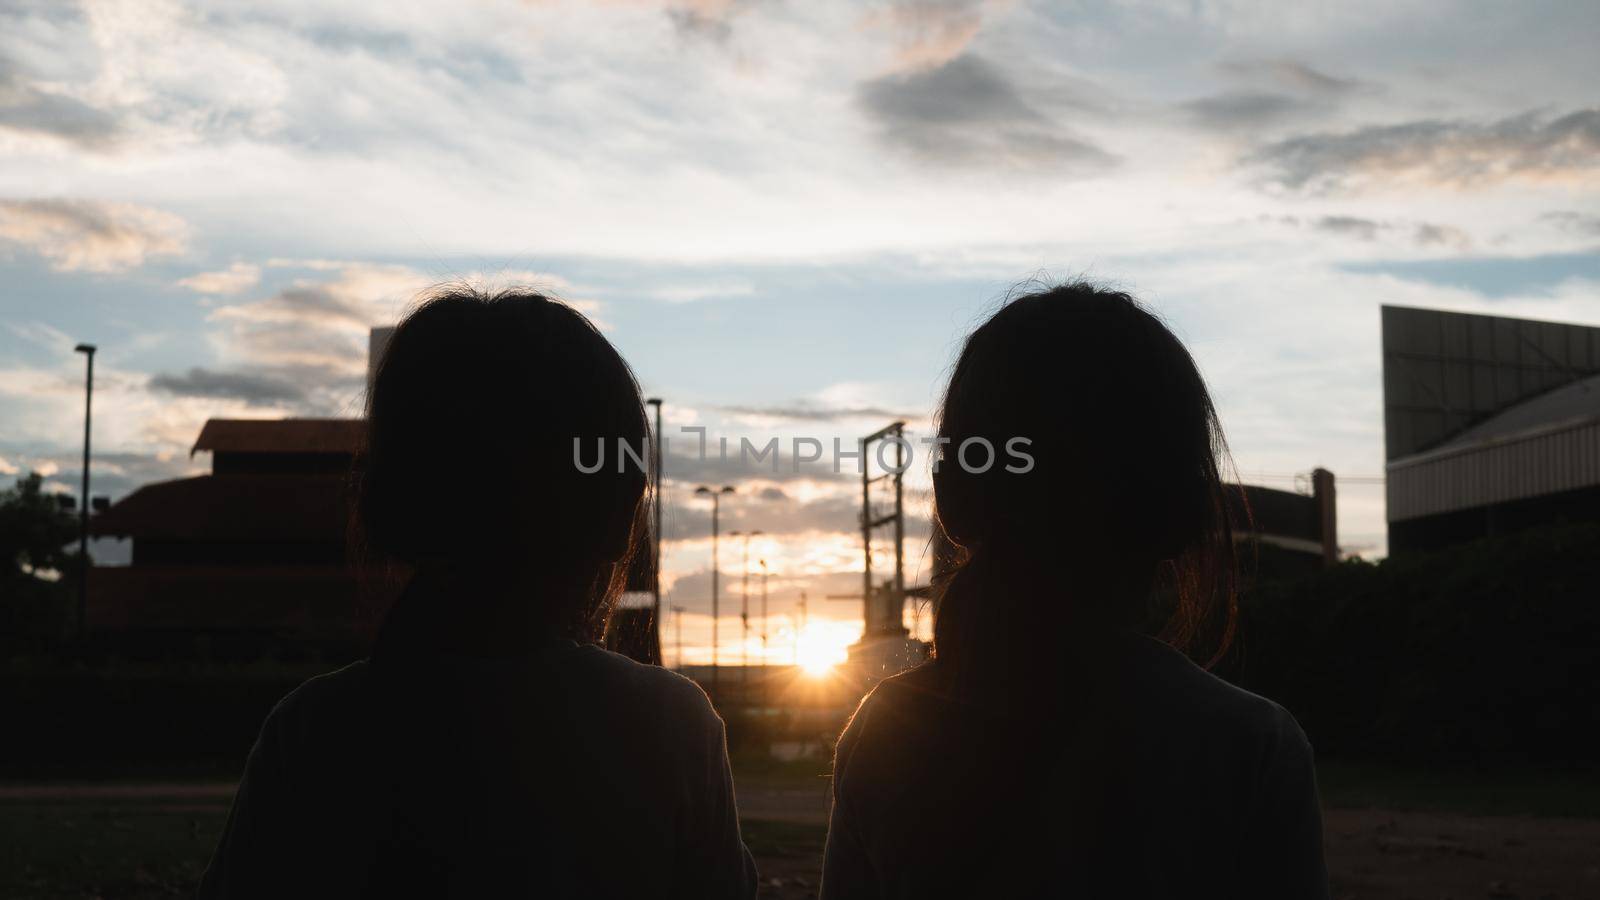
pixel 716 596
pixel 744 614
pixel 802 627
pixel 677 627
pixel 899 533
pixel 655 535
pixel 878 611
pixel 866 539
pixel 763 614
pixel 83 502
pixel 744 609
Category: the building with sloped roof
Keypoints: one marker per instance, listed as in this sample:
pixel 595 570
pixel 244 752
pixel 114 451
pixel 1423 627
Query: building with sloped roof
pixel 257 553
pixel 1491 424
pixel 258 547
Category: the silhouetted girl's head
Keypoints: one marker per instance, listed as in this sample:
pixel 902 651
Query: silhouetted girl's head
pixel 469 460
pixel 1124 498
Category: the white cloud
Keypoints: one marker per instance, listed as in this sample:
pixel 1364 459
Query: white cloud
pixel 358 153
pixel 235 278
pixel 41 334
pixel 692 293
pixel 91 235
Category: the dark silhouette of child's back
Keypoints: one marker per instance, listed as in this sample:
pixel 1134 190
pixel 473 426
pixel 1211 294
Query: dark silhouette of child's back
pixel 487 748
pixel 1051 748
pixel 1139 776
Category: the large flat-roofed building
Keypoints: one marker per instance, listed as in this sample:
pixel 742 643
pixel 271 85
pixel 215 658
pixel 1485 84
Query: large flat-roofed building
pixel 1491 425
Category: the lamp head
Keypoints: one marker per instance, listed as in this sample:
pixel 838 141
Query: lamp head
pixel 84 348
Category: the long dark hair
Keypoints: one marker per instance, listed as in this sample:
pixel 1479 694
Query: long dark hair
pixel 1122 517
pixel 469 454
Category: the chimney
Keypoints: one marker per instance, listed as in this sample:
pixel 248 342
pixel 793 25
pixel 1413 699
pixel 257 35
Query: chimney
pixel 1327 516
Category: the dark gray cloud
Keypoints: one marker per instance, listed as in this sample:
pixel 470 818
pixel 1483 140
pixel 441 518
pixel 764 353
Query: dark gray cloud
pixel 706 20
pixel 1571 221
pixel 965 90
pixel 1428 234
pixel 1448 152
pixel 319 303
pixel 684 465
pixel 308 336
pixel 965 112
pixel 1279 91
pixel 27 109
pixel 691 22
pixel 1289 75
pixel 1350 226
pixel 258 388
pixel 687 518
pixel 1423 234
pixel 1244 109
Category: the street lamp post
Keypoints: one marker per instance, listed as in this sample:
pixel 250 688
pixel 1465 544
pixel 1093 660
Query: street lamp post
pixel 83 501
pixel 763 613
pixel 744 606
pixel 677 629
pixel 655 534
pixel 803 613
pixel 716 597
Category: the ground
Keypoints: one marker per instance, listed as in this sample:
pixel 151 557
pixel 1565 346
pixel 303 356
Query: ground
pixel 1388 836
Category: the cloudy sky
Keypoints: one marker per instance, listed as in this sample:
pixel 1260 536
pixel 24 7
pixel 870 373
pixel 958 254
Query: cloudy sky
pixel 785 214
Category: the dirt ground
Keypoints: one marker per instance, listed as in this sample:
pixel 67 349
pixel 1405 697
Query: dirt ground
pixel 1372 853
pixel 152 840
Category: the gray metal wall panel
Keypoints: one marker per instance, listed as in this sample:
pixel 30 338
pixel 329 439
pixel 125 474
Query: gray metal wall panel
pixel 1445 371
pixel 1548 462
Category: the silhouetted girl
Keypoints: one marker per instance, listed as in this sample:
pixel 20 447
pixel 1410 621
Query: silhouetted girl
pixel 1051 749
pixel 487 749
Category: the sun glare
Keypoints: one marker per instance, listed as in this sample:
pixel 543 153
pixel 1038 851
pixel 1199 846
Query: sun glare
pixel 822 646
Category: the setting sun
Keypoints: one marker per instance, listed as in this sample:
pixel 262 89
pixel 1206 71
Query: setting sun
pixel 823 645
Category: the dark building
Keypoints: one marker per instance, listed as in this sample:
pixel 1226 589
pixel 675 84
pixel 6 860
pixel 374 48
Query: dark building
pixel 257 548
pixel 1491 425
pixel 1289 533
pixel 256 554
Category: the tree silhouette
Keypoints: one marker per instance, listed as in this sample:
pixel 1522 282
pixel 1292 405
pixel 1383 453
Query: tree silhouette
pixel 36 532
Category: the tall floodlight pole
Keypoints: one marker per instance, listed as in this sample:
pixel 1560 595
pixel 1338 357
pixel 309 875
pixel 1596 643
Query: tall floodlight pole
pixel 744 605
pixel 797 631
pixel 83 501
pixel 716 597
pixel 763 613
pixel 655 535
pixel 677 637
